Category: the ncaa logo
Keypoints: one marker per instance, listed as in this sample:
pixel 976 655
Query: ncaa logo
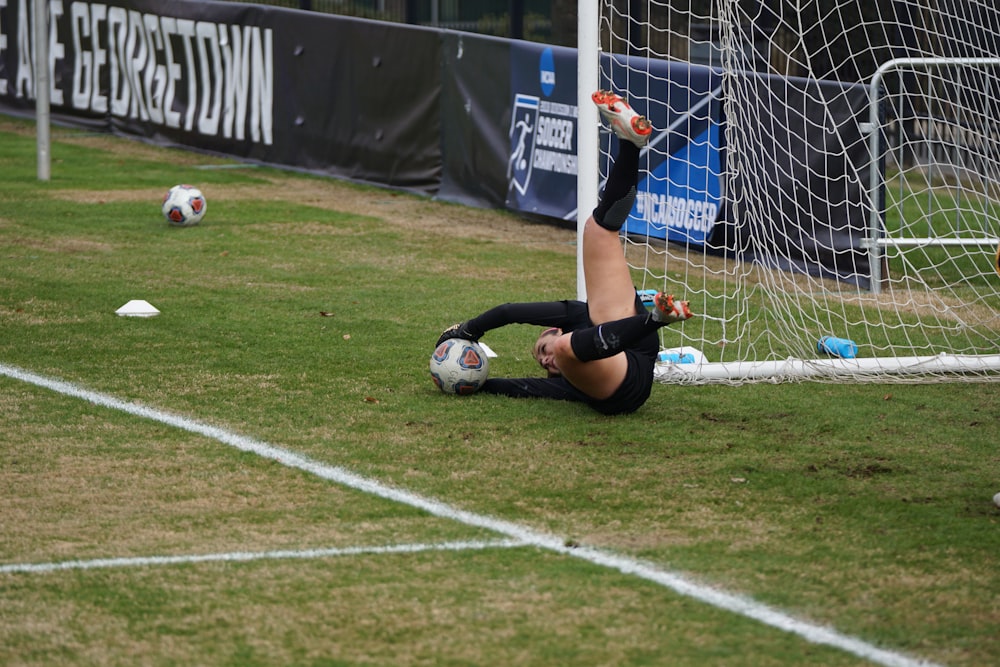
pixel 523 124
pixel 547 72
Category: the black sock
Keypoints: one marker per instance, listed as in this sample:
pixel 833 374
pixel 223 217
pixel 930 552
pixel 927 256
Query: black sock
pixel 619 192
pixel 608 339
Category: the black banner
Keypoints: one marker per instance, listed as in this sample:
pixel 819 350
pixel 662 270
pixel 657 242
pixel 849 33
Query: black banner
pixel 351 98
pixel 475 115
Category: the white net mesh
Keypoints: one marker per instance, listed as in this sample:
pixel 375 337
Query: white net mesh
pixel 850 151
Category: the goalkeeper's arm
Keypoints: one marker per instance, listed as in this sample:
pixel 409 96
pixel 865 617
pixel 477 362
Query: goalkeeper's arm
pixel 542 313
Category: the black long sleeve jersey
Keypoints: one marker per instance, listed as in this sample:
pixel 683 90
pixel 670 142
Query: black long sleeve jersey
pixel 570 315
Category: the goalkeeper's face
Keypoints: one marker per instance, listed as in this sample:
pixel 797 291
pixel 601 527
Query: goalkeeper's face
pixel 544 351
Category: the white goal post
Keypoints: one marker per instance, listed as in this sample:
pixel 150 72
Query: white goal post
pixel 819 168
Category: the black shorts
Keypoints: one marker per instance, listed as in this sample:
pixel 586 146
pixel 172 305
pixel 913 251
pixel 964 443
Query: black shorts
pixel 638 382
pixel 635 389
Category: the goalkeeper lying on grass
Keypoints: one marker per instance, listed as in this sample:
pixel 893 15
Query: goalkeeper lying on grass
pixel 601 352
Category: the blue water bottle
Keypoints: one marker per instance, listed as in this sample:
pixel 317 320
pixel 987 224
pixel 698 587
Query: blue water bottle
pixel 676 357
pixel 837 347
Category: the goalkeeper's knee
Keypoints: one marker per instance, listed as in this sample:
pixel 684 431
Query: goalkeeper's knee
pixel 612 217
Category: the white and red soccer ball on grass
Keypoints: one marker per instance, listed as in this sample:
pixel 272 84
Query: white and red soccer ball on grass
pixel 459 366
pixel 184 206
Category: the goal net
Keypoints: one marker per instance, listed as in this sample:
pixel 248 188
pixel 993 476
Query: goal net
pixel 818 168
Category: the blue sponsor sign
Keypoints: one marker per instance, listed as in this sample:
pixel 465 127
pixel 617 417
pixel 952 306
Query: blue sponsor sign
pixel 542 163
pixel 681 197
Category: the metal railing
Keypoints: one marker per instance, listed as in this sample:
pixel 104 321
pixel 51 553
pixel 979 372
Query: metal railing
pixel 877 241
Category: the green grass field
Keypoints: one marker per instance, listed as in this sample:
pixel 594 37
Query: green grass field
pixel 918 208
pixel 298 318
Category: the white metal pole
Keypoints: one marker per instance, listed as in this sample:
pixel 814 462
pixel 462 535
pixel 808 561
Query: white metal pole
pixel 41 53
pixel 587 147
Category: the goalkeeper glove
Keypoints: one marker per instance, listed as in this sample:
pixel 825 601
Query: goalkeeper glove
pixel 460 330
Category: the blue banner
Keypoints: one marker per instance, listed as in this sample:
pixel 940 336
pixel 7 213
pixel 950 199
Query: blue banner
pixel 542 163
pixel 681 197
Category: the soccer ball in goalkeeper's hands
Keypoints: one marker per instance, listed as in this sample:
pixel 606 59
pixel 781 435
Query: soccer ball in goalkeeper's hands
pixel 459 366
pixel 184 206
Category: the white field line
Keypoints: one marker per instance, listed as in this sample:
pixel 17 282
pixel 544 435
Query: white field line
pixel 676 582
pixel 244 556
